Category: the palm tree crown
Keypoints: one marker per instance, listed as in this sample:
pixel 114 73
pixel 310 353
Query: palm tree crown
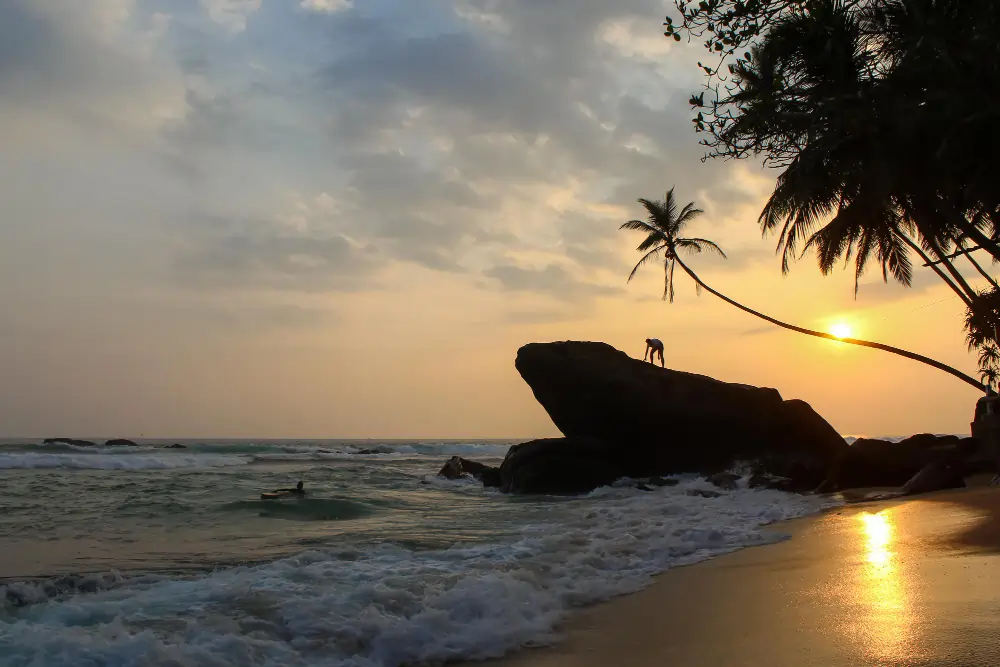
pixel 663 229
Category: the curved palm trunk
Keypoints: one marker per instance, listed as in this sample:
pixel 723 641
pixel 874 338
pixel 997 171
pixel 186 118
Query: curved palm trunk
pixel 819 334
pixel 982 271
pixel 966 299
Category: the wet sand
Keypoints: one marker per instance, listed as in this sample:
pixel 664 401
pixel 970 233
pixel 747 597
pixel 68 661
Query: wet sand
pixel 906 582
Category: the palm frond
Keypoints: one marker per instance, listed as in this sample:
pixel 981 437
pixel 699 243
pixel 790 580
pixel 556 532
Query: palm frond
pixel 648 257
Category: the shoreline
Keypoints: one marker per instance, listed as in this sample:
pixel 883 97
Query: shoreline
pixel 889 582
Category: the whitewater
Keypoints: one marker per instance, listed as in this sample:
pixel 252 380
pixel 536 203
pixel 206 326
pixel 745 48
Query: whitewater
pixel 151 556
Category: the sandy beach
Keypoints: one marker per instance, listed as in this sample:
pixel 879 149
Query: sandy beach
pixel 910 582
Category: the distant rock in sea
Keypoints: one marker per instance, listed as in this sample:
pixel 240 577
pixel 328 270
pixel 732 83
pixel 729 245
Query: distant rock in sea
pixel 69 441
pixel 119 442
pixel 176 445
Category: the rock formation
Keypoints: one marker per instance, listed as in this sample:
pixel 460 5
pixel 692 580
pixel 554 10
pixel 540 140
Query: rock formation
pixel 641 420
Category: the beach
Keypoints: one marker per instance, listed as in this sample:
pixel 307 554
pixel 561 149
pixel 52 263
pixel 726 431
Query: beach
pixel 904 582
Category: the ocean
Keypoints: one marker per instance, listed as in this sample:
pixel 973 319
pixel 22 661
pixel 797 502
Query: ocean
pixel 145 556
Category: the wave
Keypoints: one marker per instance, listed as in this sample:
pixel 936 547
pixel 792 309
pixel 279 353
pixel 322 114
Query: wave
pixel 303 509
pixel 104 461
pixel 389 606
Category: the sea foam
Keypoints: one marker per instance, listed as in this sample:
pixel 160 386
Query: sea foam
pixel 117 461
pixel 389 606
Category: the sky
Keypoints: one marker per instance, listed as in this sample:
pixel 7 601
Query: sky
pixel 326 218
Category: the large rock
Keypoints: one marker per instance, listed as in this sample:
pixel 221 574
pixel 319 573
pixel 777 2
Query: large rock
pixel 119 442
pixel 935 476
pixel 560 465
pixel 656 421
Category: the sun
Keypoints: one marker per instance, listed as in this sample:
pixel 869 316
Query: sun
pixel 841 330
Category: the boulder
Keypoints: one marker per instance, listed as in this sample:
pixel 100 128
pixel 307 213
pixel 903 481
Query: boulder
pixel 935 476
pixel 559 465
pixel 69 441
pixel 457 467
pixel 656 421
pixel 870 462
pixel 119 442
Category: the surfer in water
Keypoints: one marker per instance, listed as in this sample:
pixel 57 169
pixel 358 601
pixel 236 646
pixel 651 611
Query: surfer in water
pixel 277 493
pixel 653 346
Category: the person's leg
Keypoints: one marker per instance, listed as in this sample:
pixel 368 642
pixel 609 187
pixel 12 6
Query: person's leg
pixel 660 352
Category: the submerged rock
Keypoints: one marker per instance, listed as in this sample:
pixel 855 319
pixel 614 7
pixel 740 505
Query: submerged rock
pixel 69 441
pixel 120 442
pixel 176 445
pixel 642 420
pixel 457 467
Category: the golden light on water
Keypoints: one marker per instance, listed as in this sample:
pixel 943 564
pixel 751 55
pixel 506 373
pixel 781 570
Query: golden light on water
pixel 841 330
pixel 882 588
pixel 878 535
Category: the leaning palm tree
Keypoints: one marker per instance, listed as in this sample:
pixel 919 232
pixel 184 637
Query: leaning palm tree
pixel 663 228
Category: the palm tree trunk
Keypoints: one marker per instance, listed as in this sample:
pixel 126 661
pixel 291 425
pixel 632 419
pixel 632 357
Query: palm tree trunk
pixel 820 334
pixel 947 263
pixel 978 237
pixel 982 271
pixel 966 299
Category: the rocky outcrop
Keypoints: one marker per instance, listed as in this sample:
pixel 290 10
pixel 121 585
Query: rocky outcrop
pixel 457 467
pixel 640 420
pixel 119 442
pixel 176 445
pixel 870 462
pixel 69 441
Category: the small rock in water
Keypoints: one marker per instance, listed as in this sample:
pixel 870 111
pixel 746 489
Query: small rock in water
pixel 704 493
pixel 662 481
pixel 176 445
pixel 457 467
pixel 119 442
pixel 765 481
pixel 724 480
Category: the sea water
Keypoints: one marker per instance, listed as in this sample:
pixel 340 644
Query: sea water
pixel 150 556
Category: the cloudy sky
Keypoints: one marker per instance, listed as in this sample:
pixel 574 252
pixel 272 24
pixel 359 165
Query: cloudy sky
pixel 326 218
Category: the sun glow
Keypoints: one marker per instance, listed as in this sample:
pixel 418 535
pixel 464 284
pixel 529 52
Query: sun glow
pixel 841 330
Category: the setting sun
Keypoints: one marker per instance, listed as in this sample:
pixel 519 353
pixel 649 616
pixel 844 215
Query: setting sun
pixel 841 330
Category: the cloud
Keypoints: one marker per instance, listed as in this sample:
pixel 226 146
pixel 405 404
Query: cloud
pixel 244 254
pixel 326 6
pixel 231 14
pixel 552 281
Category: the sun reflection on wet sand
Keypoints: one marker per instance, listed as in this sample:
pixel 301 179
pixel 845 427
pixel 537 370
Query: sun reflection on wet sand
pixel 887 626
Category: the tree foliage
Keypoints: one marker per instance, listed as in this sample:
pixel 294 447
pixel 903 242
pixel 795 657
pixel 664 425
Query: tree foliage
pixel 882 115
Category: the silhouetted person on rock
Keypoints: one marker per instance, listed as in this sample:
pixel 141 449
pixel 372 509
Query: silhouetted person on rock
pixel 653 346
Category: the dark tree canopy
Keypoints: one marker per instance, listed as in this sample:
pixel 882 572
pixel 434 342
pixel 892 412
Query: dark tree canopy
pixel 883 117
